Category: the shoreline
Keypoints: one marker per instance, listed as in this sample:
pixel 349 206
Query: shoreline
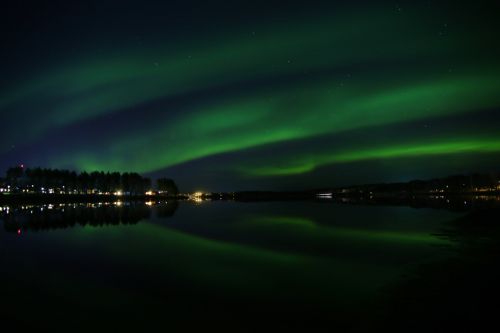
pixel 79 198
pixel 450 201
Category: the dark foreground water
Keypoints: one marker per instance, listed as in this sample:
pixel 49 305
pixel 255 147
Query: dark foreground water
pixel 226 265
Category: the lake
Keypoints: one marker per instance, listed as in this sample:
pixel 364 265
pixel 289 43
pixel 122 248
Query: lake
pixel 234 266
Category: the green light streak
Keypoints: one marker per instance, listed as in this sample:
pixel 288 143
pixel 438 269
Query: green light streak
pixel 307 228
pixel 251 122
pixel 307 163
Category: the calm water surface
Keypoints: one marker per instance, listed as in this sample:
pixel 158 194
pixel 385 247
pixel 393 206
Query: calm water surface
pixel 233 265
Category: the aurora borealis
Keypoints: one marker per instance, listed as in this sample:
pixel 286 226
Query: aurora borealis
pixel 253 95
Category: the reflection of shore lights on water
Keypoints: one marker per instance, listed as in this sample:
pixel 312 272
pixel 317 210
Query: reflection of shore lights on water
pixel 197 197
pixel 150 203
pixel 118 193
pixel 118 203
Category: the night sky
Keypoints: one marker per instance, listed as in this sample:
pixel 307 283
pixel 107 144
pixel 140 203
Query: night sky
pixel 252 94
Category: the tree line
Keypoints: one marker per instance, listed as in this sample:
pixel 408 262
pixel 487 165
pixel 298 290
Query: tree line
pixel 42 179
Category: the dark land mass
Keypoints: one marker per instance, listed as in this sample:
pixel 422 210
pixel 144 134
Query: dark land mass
pixel 457 185
pixel 459 294
pixel 454 192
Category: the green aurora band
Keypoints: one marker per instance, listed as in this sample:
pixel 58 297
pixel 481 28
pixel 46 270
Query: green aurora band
pixel 304 163
pixel 249 123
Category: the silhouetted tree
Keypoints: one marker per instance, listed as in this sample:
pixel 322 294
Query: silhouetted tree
pixel 65 181
pixel 167 185
pixel 84 181
pixel 125 182
pixel 14 174
pixel 114 181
